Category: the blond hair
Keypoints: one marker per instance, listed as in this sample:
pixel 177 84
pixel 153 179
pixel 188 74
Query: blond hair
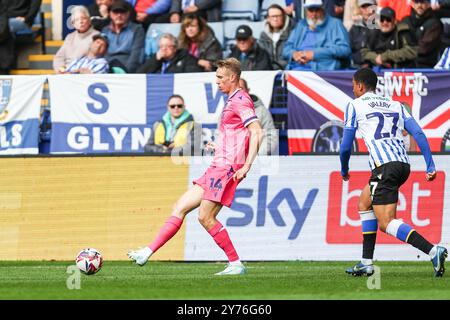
pixel 231 64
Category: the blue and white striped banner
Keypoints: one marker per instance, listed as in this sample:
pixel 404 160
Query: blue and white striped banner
pixel 20 102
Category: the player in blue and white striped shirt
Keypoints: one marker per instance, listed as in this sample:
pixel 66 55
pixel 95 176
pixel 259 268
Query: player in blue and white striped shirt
pixel 380 122
pixel 93 61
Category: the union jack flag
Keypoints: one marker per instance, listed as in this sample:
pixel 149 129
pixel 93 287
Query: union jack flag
pixel 317 102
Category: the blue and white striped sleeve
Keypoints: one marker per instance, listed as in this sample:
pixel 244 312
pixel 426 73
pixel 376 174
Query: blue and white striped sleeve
pixel 101 66
pixel 350 116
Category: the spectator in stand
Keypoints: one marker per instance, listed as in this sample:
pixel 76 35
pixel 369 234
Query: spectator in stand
pixel 442 8
pixel 248 51
pixel 428 30
pixel 199 40
pixel 359 32
pixel 352 14
pixel 176 132
pixel 151 11
pixel 7 57
pixel 269 143
pixel 93 62
pixel 99 11
pixel 402 8
pixel 77 43
pixel 294 9
pixel 21 14
pixel 126 39
pixel 444 62
pixel 334 8
pixel 319 42
pixel 170 58
pixel 210 10
pixel 390 46
pixel 276 31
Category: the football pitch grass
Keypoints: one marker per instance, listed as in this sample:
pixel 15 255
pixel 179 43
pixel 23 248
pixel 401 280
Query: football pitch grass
pixel 291 280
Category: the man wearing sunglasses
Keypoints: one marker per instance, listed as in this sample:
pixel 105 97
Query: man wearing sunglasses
pixel 391 45
pixel 176 132
pixel 319 42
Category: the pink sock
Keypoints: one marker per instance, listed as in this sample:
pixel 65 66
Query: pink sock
pixel 221 237
pixel 169 229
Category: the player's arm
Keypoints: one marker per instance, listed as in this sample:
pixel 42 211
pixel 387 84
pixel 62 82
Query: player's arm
pixel 346 150
pixel 416 131
pixel 350 126
pixel 256 136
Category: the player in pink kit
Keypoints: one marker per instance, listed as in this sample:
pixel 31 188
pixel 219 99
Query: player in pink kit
pixel 237 145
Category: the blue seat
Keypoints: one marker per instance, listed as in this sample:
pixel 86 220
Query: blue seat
pixel 267 3
pixel 217 27
pixel 240 9
pixel 230 27
pixel 36 30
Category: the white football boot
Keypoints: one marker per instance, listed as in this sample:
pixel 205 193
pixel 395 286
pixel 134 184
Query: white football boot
pixel 140 256
pixel 232 270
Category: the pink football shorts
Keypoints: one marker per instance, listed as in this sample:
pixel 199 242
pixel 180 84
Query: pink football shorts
pixel 218 184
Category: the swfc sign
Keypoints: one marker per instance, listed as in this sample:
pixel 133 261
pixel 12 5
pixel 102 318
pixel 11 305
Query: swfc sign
pixel 20 102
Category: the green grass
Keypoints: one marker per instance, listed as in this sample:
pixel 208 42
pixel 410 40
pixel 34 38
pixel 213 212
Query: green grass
pixel 264 280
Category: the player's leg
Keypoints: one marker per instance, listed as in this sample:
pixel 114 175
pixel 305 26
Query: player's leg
pixel 388 223
pixel 190 200
pixel 385 197
pixel 207 218
pixel 369 229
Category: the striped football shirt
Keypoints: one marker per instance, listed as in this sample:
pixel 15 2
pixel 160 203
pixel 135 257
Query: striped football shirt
pixel 380 121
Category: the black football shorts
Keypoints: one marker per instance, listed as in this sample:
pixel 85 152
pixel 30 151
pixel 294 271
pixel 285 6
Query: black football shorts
pixel 386 180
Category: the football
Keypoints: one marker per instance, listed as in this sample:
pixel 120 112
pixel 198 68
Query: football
pixel 89 261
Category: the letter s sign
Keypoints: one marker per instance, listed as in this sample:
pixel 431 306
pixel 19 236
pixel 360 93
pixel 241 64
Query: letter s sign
pixel 93 93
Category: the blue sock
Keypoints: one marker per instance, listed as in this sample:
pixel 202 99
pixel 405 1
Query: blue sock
pixel 399 229
pixel 369 226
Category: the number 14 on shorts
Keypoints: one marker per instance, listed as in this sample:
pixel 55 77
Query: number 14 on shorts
pixel 215 186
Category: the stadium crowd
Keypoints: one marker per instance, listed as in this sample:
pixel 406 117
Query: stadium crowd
pixel 296 35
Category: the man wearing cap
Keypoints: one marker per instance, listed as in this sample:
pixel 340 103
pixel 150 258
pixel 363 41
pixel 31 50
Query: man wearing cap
pixel 318 42
pixel 401 7
pixel 427 29
pixel 93 61
pixel 390 46
pixel 126 39
pixel 359 30
pixel 248 51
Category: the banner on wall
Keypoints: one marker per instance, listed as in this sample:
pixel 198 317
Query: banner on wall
pixel 115 113
pixel 20 105
pixel 304 211
pixel 317 102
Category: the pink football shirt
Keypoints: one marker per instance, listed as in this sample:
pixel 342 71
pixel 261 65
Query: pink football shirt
pixel 234 137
